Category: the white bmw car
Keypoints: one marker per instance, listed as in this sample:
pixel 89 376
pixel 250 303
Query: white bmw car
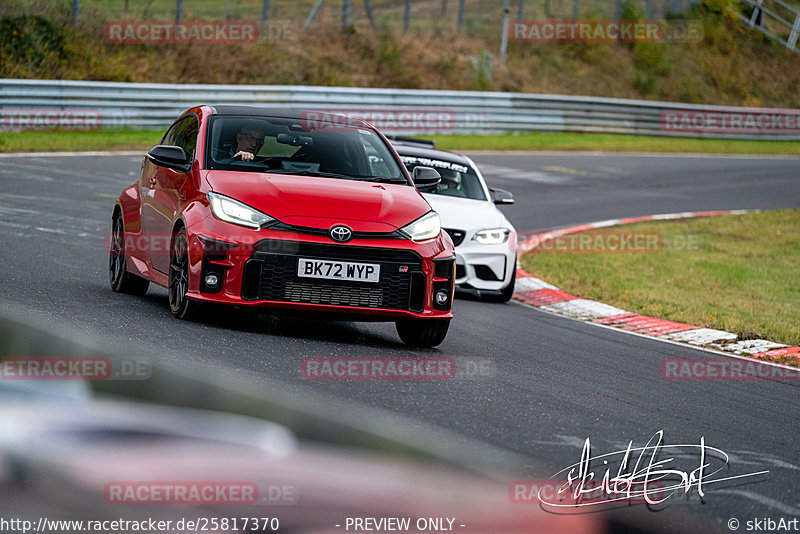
pixel 486 242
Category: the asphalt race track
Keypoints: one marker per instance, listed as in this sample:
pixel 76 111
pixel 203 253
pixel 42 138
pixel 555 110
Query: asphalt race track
pixel 546 382
pixel 554 190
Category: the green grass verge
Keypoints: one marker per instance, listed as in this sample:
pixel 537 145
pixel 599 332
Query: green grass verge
pixel 612 143
pixel 79 141
pixel 737 273
pixel 71 140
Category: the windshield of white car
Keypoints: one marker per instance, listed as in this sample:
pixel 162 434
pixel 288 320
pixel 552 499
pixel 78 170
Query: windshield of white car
pixel 300 147
pixel 458 180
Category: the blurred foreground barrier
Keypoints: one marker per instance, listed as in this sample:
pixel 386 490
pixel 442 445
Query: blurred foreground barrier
pixel 38 104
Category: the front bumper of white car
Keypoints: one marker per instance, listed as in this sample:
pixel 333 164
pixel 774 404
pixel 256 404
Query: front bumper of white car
pixel 484 268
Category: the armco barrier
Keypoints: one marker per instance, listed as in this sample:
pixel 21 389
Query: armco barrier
pixel 27 104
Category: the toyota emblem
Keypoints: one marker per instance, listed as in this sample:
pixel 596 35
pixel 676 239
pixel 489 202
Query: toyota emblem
pixel 342 234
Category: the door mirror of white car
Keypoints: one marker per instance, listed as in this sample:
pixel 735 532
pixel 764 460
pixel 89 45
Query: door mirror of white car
pixel 426 177
pixel 501 196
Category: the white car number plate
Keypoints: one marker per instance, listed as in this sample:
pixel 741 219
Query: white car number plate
pixel 339 270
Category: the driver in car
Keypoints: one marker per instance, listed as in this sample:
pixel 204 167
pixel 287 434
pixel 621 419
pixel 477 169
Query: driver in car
pixel 450 183
pixel 249 141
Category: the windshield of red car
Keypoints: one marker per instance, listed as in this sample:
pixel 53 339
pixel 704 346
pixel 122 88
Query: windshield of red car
pixel 271 144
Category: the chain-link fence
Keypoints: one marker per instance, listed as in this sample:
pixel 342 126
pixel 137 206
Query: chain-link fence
pixel 478 16
pixel 775 18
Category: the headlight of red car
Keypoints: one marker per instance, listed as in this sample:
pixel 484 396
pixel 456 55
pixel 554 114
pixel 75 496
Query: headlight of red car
pixel 426 227
pixel 235 212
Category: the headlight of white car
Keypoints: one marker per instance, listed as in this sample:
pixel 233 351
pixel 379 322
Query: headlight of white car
pixel 426 227
pixel 232 211
pixel 493 236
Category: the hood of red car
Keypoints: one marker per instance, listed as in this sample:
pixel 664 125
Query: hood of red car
pixel 321 202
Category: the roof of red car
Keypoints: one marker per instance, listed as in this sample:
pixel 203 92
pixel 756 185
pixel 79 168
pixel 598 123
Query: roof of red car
pixel 267 111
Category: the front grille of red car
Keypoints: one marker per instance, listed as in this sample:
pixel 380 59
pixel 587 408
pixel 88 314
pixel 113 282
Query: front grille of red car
pixel 340 295
pixel 271 274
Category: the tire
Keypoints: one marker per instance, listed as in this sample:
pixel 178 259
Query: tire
pixel 180 305
pixel 118 276
pixel 505 294
pixel 422 332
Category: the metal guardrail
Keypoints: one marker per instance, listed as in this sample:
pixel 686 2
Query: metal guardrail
pixel 29 104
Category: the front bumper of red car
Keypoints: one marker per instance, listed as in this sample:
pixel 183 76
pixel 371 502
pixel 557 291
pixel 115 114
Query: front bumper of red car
pixel 259 267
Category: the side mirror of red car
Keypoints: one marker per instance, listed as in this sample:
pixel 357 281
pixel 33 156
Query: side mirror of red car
pixel 426 177
pixel 172 157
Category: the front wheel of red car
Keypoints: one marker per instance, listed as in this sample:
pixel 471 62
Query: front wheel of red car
pixel 423 332
pixel 179 303
pixel 121 280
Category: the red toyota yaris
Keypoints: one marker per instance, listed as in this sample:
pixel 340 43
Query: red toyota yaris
pixel 256 207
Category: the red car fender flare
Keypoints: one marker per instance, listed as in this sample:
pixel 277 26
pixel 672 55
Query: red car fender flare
pixel 129 205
